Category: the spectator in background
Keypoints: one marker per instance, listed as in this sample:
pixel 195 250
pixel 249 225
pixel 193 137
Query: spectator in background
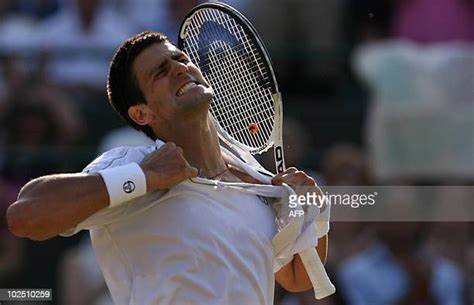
pixel 36 9
pixel 396 269
pixel 15 77
pixel 158 14
pixel 452 238
pixel 34 132
pixel 16 28
pixel 367 20
pixel 345 164
pixel 166 15
pixel 177 10
pixel 305 37
pixel 429 21
pixel 37 122
pixel 81 38
pixel 145 14
pixel 123 136
pixel 26 85
pixel 424 21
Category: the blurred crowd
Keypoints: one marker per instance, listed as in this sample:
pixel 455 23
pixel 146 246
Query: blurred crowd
pixel 375 92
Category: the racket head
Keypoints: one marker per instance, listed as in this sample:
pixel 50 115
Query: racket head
pixel 246 107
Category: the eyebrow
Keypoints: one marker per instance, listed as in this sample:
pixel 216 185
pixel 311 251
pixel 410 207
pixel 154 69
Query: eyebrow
pixel 175 55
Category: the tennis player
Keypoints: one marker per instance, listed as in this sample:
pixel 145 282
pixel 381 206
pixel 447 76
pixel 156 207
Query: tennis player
pixel 160 237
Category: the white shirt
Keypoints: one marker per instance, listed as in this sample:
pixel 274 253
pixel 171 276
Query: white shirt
pixel 194 244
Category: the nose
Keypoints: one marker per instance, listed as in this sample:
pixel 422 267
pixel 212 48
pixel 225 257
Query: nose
pixel 180 68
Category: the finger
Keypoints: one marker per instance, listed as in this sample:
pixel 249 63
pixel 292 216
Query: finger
pixel 277 179
pixel 167 146
pixel 303 179
pixel 289 170
pixel 285 178
pixel 291 180
pixel 310 181
pixel 182 160
pixel 191 172
pixel 298 178
pixel 180 150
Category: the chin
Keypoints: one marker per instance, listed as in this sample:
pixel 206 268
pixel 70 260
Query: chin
pixel 202 98
pixel 194 107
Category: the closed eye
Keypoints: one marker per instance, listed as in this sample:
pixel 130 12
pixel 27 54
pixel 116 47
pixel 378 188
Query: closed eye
pixel 159 70
pixel 184 60
pixel 159 74
pixel 164 67
pixel 180 57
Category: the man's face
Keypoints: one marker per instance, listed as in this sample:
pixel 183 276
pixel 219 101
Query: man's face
pixel 170 82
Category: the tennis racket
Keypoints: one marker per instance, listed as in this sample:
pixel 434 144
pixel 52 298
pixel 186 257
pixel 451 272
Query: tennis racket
pixel 247 105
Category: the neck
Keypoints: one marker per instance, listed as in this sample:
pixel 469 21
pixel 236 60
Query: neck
pixel 200 144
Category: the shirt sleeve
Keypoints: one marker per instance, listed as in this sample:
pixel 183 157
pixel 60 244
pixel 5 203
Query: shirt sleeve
pixel 117 157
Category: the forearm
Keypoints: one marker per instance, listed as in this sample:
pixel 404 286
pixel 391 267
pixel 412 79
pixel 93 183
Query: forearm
pixel 50 205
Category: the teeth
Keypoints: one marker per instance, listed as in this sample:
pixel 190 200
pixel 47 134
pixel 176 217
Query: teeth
pixel 185 88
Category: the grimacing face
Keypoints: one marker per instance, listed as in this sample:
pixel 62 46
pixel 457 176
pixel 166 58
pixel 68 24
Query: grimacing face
pixel 170 82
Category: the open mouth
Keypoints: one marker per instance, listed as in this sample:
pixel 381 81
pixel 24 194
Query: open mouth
pixel 186 87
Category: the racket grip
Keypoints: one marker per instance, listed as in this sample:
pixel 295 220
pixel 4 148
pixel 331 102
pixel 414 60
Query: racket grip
pixel 322 285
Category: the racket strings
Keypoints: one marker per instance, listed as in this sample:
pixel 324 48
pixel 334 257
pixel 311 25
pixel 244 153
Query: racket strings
pixel 236 69
pixel 250 48
pixel 245 111
pixel 237 73
pixel 256 110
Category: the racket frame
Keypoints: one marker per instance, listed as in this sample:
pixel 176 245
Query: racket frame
pixel 276 137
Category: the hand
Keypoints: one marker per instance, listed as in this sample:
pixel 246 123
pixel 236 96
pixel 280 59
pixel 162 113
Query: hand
pixel 293 177
pixel 166 167
pixel 301 183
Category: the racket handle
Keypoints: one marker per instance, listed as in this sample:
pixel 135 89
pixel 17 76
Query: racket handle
pixel 322 285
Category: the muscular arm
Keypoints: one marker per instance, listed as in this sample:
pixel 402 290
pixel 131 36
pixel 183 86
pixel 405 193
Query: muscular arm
pixel 50 205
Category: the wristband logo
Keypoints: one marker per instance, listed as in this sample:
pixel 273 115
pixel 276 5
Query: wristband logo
pixel 128 187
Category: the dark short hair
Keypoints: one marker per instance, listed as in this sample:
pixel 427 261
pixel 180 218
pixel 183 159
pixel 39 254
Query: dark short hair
pixel 123 89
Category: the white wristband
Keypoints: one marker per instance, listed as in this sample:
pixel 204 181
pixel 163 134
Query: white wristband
pixel 124 182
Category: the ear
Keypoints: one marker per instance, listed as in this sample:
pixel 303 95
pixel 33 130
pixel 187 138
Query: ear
pixel 141 114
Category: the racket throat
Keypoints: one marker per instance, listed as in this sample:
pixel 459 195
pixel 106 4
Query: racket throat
pixel 279 159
